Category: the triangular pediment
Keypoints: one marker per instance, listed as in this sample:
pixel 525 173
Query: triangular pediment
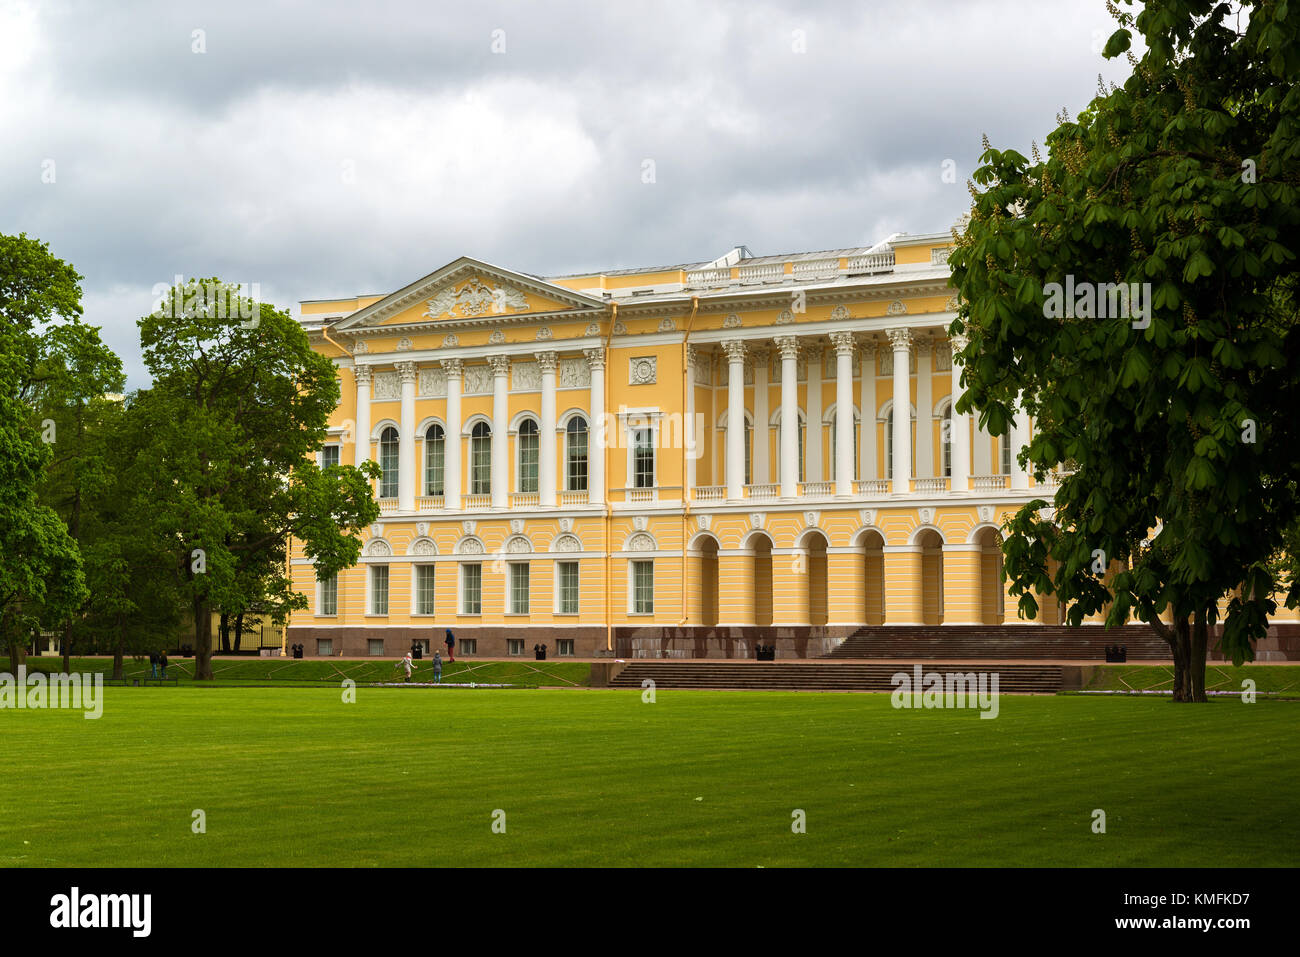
pixel 469 290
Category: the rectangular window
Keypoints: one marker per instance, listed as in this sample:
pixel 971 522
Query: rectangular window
pixel 325 646
pixel 329 596
pixel 376 646
pixel 471 589
pixel 643 458
pixel 577 471
pixel 467 646
pixel 519 589
pixel 514 646
pixel 528 456
pixel 566 579
pixel 435 453
pixel 379 589
pixel 329 455
pixel 564 647
pixel 424 589
pixel 1005 449
pixel 643 587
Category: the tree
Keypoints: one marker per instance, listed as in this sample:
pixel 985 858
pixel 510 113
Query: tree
pixel 1173 401
pixel 41 580
pixel 240 402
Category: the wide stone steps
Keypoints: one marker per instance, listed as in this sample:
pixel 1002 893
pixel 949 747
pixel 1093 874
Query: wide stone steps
pixel 820 675
pixel 1006 642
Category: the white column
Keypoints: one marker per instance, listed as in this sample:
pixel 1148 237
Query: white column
pixel 924 412
pixel 901 340
pixel 960 425
pixel 691 440
pixel 406 440
pixel 1019 439
pixel 762 474
pixel 598 438
pixel 735 419
pixel 789 466
pixel 867 443
pixel 501 465
pixel 362 432
pixel 451 468
pixel 843 412
pixel 812 433
pixel 547 362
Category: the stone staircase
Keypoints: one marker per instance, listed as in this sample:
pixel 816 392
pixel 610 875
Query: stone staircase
pixel 1006 642
pixel 817 675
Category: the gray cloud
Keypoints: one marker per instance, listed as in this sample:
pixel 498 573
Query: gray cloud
pixel 328 149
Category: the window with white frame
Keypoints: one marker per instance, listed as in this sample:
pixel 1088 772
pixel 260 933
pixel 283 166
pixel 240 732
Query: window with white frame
pixel 528 454
pixel 388 445
pixel 945 433
pixel 1004 448
pixel 375 646
pixel 643 587
pixel 329 455
pixel 480 459
pixel 514 646
pixel 834 432
pixel 435 452
pixel 325 646
pixel 471 589
pixel 329 596
pixel 379 589
pixel 575 472
pixel 519 580
pixel 643 457
pixel 566 587
pixel 564 647
pixel 889 445
pixel 422 587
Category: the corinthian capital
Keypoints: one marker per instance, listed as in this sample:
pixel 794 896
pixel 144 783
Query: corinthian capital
pixel 788 346
pixel 500 365
pixel 900 339
pixel 406 370
pixel 843 342
pixel 547 361
pixel 362 374
pixel 595 358
pixel 735 349
pixel 453 367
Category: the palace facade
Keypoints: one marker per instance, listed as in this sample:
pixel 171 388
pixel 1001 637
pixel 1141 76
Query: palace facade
pixel 689 459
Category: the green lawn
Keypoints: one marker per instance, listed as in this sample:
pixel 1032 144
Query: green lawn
pixel 413 776
pixel 290 672
pixel 1281 680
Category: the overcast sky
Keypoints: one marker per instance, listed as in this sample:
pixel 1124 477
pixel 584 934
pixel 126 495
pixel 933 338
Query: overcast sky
pixel 338 148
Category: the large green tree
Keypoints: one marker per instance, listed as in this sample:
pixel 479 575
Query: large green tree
pixel 1177 415
pixel 41 580
pixel 240 403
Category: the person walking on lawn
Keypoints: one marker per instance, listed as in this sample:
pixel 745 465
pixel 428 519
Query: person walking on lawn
pixel 407 665
pixel 162 664
pixel 451 645
pixel 437 667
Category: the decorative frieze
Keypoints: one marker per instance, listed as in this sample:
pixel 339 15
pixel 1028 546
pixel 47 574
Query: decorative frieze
pixel 387 386
pixel 574 373
pixel 433 382
pixel 526 377
pixel 476 298
pixel 478 380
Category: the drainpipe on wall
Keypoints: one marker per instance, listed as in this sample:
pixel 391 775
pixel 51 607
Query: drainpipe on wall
pixel 686 493
pixel 609 503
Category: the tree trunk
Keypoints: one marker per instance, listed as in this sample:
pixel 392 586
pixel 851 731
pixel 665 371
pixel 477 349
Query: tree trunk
pixel 239 629
pixel 1181 646
pixel 119 650
pixel 67 648
pixel 202 640
pixel 1198 651
pixel 223 629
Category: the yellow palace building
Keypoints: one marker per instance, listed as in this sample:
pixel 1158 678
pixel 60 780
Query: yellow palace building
pixel 684 460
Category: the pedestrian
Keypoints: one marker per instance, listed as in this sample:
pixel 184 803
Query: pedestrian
pixel 437 667
pixel 406 664
pixel 451 646
pixel 153 664
pixel 162 664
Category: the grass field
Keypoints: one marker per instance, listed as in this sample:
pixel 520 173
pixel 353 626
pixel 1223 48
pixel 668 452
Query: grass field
pixel 294 776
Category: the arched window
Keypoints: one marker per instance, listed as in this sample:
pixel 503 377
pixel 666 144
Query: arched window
pixel 575 457
pixel 388 442
pixel 528 450
pixel 889 445
pixel 945 435
pixel 834 432
pixel 435 450
pixel 799 442
pixel 480 459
